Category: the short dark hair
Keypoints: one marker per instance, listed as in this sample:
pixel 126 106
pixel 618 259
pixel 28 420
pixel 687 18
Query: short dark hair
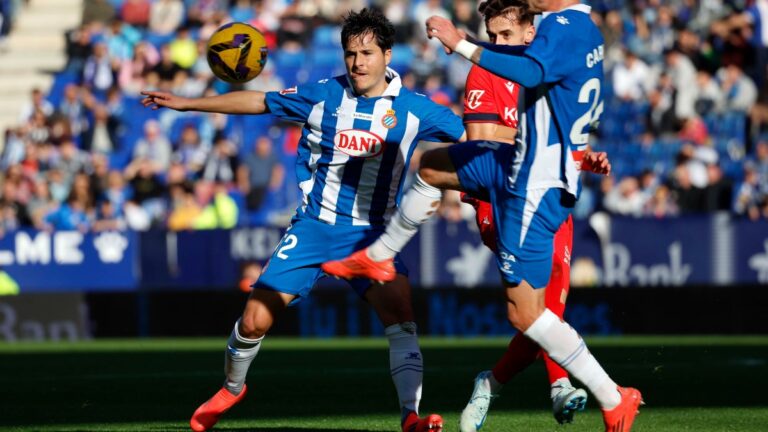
pixel 493 8
pixel 368 21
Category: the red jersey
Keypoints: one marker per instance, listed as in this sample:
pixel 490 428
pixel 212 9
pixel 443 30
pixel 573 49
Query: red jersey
pixel 489 98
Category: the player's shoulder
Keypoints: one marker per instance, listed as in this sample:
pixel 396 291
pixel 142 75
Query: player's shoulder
pixel 321 87
pixel 572 19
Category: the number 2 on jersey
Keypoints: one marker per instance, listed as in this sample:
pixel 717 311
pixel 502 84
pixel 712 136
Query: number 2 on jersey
pixel 592 116
pixel 289 243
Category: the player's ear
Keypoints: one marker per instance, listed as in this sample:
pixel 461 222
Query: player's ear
pixel 387 56
pixel 530 33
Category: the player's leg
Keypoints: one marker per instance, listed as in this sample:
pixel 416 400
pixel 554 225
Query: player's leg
pixel 566 399
pixel 392 304
pixel 438 171
pixel 291 273
pixel 568 349
pixel 527 229
pixel 242 347
pixel 520 353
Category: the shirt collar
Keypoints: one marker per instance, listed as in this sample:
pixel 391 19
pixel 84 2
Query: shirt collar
pixel 577 7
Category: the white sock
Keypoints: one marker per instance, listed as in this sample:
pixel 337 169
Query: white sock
pixel 558 385
pixel 568 349
pixel 417 205
pixel 237 359
pixel 406 364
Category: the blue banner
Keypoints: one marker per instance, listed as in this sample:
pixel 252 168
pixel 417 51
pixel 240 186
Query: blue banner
pixel 751 247
pixel 70 260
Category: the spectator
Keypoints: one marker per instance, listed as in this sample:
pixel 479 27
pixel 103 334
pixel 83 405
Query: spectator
pixel 166 69
pixel 73 107
pixel 740 92
pixel 40 204
pixel 184 208
pixel 632 78
pixel 661 204
pixel 748 198
pixel 221 164
pixel 165 16
pixel 718 194
pixel 219 209
pixel 101 137
pixel 148 189
pixel 710 98
pixel 134 71
pixel 626 198
pixel 683 75
pixel 79 47
pixel 183 49
pixel 99 71
pixel 153 148
pixel 263 171
pixel 117 191
pixel 190 153
pixel 72 160
pixel 136 12
pixel 37 103
pixel 107 218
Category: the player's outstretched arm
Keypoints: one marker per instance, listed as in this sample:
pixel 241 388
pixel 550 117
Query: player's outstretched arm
pixel 510 65
pixel 239 102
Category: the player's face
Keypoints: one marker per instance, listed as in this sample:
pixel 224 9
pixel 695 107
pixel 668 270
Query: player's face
pixel 507 30
pixel 366 65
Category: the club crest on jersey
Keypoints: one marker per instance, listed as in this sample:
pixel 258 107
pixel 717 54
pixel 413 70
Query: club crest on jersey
pixel 292 90
pixel 389 120
pixel 358 143
pixel 473 98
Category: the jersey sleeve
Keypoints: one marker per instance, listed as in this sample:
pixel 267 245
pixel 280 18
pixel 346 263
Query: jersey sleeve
pixel 479 102
pixel 295 103
pixel 440 124
pixel 556 49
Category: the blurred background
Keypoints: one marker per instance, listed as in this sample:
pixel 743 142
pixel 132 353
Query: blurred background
pixel 112 215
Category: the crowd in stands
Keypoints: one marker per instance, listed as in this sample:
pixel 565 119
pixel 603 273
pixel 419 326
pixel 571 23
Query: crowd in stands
pixel 684 119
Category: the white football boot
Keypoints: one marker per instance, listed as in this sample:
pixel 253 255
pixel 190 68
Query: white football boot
pixel 473 416
pixel 566 401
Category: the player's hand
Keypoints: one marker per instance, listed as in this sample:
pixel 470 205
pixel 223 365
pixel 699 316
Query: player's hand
pixel 444 30
pixel 596 162
pixel 156 99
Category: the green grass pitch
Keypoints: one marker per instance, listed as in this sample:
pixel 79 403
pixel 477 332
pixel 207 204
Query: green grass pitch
pixel 297 385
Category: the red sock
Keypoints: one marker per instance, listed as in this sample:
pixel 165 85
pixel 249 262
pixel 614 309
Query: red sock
pixel 520 353
pixel 557 288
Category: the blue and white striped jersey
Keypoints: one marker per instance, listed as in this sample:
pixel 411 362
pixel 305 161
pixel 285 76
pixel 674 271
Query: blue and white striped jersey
pixel 354 150
pixel 559 114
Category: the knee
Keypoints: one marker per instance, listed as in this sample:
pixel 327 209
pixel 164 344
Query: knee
pixel 253 326
pixel 430 166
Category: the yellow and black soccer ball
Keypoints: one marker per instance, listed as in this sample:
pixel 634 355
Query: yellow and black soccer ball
pixel 237 52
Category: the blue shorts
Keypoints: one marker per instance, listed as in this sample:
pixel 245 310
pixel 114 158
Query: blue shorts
pixel 526 221
pixel 294 266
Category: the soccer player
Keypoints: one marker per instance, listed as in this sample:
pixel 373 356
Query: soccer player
pixel 360 130
pixel 490 113
pixel 532 185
